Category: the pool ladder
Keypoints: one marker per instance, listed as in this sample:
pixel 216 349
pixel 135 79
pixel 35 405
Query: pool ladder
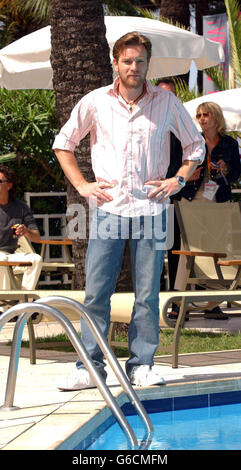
pixel 49 305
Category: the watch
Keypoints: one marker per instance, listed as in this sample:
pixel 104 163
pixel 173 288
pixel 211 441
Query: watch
pixel 180 180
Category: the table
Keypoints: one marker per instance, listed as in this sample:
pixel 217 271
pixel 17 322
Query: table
pixel 10 265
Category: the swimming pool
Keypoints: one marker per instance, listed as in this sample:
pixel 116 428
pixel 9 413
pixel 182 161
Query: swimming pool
pixel 197 422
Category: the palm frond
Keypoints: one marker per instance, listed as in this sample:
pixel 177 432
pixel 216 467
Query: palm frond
pixel 233 11
pixel 8 157
pixel 216 73
pixel 38 9
pixel 218 78
pixel 149 14
pixel 183 91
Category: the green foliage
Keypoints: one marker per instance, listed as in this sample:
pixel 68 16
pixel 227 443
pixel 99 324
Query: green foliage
pixel 191 341
pixel 233 10
pixel 147 13
pixel 119 7
pixel 8 157
pixel 217 76
pixel 37 9
pixel 183 91
pixel 28 125
pixel 21 17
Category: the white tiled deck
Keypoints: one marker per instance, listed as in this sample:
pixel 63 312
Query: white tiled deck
pixel 47 417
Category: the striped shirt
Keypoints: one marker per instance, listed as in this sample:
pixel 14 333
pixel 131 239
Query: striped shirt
pixel 130 148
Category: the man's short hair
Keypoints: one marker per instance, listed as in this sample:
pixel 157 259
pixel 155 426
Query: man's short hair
pixel 10 176
pixel 132 39
pixel 167 80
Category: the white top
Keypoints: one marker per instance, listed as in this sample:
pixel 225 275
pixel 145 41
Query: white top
pixel 130 148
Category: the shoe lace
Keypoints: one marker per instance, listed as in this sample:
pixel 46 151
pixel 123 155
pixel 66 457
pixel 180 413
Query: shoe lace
pixel 142 371
pixel 85 377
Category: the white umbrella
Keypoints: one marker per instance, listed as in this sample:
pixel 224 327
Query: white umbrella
pixel 228 100
pixel 25 63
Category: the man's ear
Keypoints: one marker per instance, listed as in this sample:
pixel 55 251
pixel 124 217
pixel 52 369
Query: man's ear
pixel 115 63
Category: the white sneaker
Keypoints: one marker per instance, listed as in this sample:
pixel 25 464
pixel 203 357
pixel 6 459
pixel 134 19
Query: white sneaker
pixel 78 381
pixel 145 376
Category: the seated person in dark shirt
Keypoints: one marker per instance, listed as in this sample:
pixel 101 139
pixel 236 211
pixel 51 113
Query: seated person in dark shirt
pixel 16 220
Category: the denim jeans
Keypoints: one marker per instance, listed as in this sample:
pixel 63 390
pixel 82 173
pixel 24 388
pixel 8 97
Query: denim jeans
pixel 108 236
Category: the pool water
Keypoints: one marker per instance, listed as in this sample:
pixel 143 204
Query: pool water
pixel 199 422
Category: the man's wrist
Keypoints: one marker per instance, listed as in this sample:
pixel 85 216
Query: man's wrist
pixel 181 180
pixel 81 187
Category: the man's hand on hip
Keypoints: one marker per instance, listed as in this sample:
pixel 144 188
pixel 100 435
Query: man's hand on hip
pixel 163 189
pixel 96 191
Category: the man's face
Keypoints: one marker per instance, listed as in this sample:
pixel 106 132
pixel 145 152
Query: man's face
pixel 132 66
pixel 4 186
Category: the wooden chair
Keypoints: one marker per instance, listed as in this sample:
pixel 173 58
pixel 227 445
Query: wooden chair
pixel 15 281
pixel 48 267
pixel 6 302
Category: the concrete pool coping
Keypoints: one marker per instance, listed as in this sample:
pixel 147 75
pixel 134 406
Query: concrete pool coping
pixel 49 419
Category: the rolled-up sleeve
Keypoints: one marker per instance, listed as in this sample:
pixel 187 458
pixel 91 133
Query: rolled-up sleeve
pixel 77 126
pixel 182 126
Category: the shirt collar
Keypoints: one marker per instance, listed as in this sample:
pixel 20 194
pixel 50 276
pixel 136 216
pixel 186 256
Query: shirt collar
pixel 150 90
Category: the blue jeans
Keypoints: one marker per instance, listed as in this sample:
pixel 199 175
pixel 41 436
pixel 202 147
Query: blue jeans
pixel 103 264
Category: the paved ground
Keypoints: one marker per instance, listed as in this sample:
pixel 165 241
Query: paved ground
pixel 48 417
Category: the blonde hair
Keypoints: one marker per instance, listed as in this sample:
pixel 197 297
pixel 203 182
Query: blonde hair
pixel 217 113
pixel 132 39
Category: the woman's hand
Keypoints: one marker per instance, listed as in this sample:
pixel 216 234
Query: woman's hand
pixel 223 167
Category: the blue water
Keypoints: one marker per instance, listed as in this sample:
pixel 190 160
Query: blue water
pixel 203 422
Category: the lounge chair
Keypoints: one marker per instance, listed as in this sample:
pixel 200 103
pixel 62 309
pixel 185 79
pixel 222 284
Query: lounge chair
pixel 211 236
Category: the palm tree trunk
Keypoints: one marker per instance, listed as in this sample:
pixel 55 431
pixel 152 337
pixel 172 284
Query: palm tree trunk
pixel 81 62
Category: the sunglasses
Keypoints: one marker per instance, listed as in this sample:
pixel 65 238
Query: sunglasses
pixel 199 115
pixel 3 181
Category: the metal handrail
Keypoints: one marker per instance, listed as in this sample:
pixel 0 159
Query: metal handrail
pixel 57 302
pixel 46 305
pixel 75 340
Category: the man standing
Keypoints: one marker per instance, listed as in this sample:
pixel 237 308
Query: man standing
pixel 129 124
pixel 16 220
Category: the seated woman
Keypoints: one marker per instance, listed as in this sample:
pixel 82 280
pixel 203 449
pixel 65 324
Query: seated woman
pixel 211 180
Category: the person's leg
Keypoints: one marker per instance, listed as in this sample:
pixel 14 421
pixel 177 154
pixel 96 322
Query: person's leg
pixel 5 283
pixel 30 274
pixel 103 265
pixel 147 264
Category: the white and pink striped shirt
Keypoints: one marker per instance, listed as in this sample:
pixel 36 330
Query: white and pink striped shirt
pixel 128 149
